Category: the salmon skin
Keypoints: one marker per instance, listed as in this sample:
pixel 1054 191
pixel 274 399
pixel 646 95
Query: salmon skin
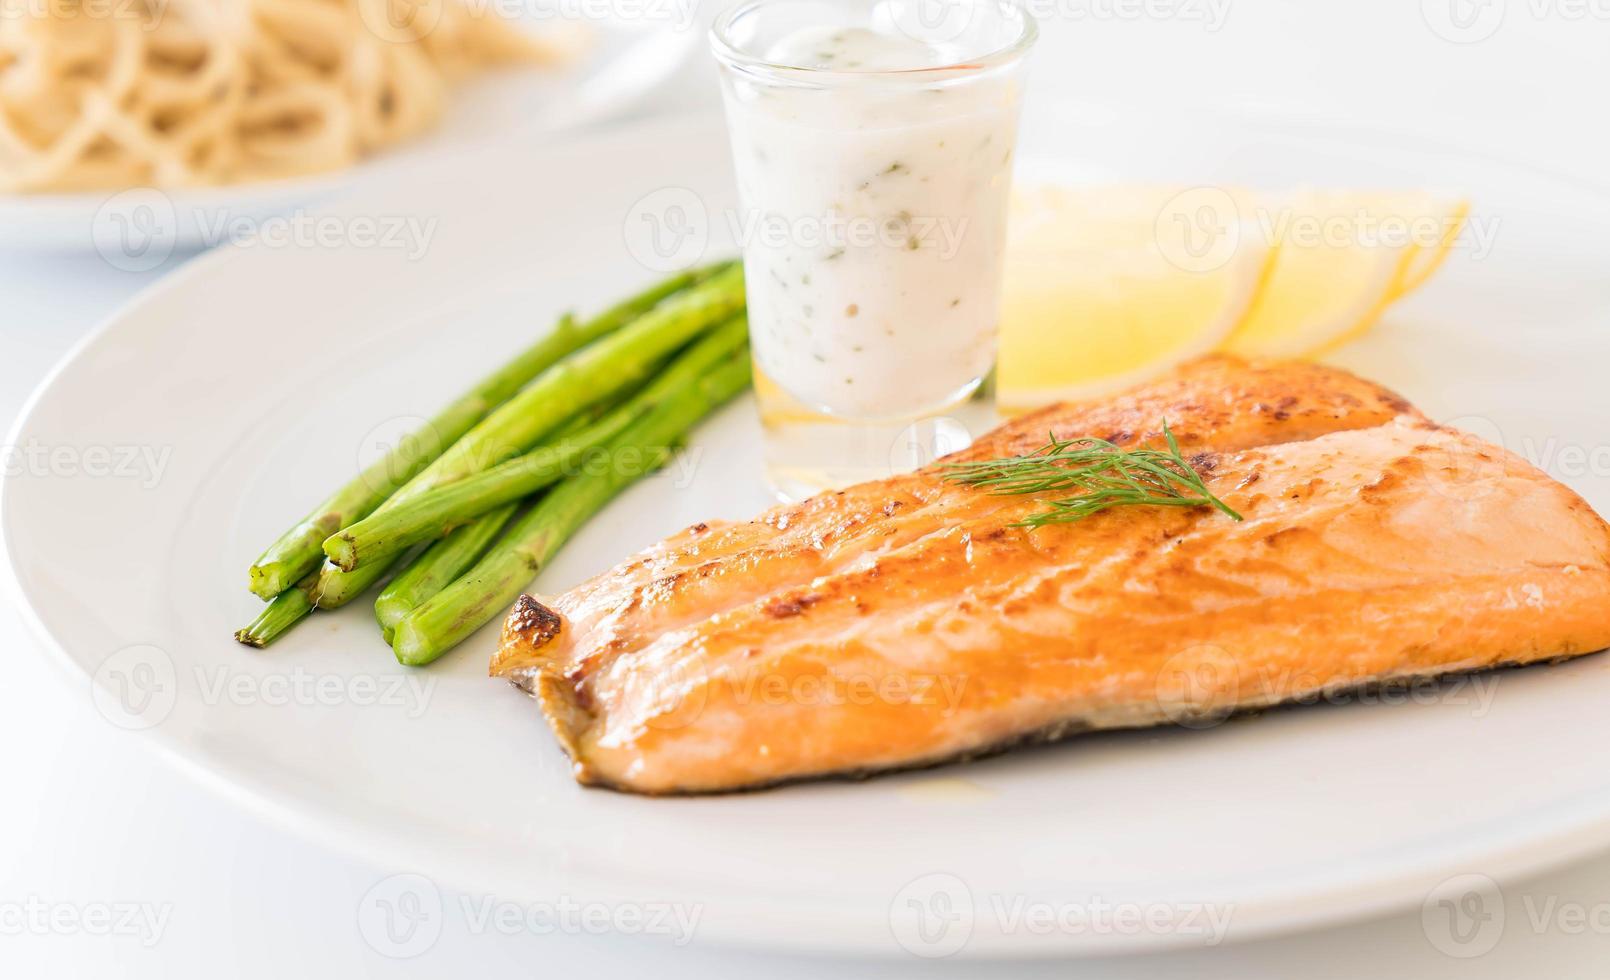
pixel 909 621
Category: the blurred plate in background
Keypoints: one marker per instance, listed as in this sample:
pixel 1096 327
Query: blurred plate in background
pixel 136 229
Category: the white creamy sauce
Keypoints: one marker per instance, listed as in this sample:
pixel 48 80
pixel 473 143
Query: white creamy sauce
pixel 873 222
pixel 856 49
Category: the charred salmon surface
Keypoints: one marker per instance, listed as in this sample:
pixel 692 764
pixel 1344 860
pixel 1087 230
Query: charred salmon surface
pixel 912 621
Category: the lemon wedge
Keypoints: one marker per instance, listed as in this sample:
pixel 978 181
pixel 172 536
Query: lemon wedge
pixel 1106 286
pixel 1342 258
pixel 1428 258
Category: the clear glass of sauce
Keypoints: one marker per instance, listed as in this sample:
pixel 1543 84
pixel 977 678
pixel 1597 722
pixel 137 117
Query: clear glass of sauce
pixel 873 146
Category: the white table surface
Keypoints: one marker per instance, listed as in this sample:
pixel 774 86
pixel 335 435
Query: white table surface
pixel 90 821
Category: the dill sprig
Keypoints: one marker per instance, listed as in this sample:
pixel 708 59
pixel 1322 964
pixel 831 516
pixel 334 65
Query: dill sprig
pixel 1099 474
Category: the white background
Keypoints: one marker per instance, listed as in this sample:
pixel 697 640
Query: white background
pixel 88 817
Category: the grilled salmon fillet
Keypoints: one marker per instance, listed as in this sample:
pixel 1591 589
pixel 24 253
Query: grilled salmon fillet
pixel 908 621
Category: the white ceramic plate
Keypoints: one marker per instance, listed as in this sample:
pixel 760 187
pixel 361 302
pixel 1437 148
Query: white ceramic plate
pixel 137 229
pixel 252 376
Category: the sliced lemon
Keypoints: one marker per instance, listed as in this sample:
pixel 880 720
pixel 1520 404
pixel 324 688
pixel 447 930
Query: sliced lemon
pixel 1107 286
pixel 1450 218
pixel 1343 257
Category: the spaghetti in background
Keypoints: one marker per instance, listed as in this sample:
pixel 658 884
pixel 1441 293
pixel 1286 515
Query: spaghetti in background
pixel 172 93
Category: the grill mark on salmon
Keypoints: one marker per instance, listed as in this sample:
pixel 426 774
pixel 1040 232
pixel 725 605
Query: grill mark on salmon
pixel 907 622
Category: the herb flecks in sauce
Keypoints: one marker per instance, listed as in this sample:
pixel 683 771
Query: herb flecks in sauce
pixel 859 161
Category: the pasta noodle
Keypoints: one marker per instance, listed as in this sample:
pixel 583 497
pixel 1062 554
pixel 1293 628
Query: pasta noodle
pixel 173 93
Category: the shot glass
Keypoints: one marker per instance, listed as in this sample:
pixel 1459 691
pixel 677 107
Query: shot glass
pixel 873 145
